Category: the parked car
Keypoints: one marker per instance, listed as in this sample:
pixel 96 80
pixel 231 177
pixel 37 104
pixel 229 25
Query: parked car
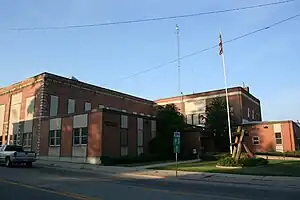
pixel 15 154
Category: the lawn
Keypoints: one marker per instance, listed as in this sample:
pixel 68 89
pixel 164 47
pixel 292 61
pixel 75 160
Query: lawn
pixel 274 168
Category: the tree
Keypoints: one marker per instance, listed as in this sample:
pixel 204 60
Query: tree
pixel 168 120
pixel 217 123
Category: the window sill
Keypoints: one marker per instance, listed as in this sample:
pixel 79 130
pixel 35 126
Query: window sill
pixel 79 145
pixel 54 145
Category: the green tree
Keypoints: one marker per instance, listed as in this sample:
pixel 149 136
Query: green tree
pixel 168 120
pixel 216 123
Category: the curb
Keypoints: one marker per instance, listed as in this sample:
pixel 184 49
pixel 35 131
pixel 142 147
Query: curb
pixel 142 176
pixel 227 167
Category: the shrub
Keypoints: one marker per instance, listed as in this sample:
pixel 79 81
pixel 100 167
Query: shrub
pixel 228 162
pixel 250 162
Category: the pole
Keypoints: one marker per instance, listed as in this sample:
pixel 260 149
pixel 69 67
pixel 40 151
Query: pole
pixel 227 103
pixel 178 58
pixel 176 165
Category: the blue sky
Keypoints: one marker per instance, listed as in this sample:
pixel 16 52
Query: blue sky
pixel 267 62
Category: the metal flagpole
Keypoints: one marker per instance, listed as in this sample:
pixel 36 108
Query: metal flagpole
pixel 178 58
pixel 226 93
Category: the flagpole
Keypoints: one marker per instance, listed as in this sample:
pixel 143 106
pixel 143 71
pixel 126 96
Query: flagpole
pixel 178 58
pixel 227 99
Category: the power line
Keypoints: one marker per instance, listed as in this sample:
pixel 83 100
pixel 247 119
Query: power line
pixel 151 19
pixel 209 48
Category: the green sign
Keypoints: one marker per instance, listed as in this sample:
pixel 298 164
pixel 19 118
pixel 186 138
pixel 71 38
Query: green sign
pixel 176 142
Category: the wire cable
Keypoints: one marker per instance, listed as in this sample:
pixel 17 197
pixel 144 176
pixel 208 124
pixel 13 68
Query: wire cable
pixel 150 19
pixel 212 47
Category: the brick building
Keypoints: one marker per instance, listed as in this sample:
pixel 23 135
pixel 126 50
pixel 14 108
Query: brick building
pixel 66 119
pixel 271 136
pixel 245 106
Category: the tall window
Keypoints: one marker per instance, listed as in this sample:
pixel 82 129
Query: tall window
pixel 53 105
pixel 248 112
pixel 71 106
pixel 140 136
pixel 255 140
pixel 253 116
pixel 80 136
pixel 189 119
pixel 278 138
pixel 124 135
pixel 153 128
pixel 54 138
pixel 1 140
pixel 27 138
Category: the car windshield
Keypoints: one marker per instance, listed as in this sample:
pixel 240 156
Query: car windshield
pixel 14 148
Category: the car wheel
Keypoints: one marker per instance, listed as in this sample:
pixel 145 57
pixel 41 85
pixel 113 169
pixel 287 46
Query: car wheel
pixel 29 164
pixel 7 162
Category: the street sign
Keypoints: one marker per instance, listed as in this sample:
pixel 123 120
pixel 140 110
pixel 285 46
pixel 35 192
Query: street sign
pixel 176 142
pixel 176 145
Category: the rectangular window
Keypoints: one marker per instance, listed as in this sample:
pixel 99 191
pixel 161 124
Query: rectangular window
pixel 124 137
pixel 124 121
pixel 255 140
pixel 53 105
pixel 17 139
pixel 140 135
pixel 71 106
pixel 253 114
pixel 1 140
pixel 248 112
pixel 87 106
pixel 80 136
pixel 124 151
pixel 54 138
pixel 153 128
pixel 27 139
pixel 189 119
pixel 278 138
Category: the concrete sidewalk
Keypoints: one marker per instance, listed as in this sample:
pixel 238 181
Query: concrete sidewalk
pixel 143 172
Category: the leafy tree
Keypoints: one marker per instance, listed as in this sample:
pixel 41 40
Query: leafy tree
pixel 217 123
pixel 168 120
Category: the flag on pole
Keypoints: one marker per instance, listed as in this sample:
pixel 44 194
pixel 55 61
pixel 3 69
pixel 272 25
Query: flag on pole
pixel 220 46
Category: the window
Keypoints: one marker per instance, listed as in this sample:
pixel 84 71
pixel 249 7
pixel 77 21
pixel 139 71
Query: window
pixel 27 138
pixel 153 128
pixel 124 121
pixel 1 140
pixel 71 106
pixel 17 139
pixel 189 119
pixel 248 112
pixel 231 109
pixel 140 135
pixel 54 138
pixel 255 140
pixel 87 106
pixel 80 136
pixel 53 105
pixel 278 138
pixel 253 116
pixel 124 137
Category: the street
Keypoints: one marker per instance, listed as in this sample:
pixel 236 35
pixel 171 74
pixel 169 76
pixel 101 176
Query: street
pixel 49 183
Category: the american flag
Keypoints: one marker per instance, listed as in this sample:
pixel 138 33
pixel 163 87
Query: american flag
pixel 220 45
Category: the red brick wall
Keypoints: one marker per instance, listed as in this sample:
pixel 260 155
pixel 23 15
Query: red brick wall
pixel 80 95
pixel 267 137
pixel 44 141
pixel 95 134
pixel 66 137
pixel 111 134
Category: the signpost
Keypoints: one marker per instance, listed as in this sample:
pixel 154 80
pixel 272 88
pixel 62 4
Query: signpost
pixel 176 146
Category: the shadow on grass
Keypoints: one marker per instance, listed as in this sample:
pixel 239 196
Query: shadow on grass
pixel 274 168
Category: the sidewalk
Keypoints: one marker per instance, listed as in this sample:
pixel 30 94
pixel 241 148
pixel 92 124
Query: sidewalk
pixel 143 172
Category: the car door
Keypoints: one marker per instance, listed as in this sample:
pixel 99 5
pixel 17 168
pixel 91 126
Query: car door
pixel 2 154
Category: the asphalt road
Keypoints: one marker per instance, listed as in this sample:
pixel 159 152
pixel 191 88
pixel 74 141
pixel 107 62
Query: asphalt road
pixel 50 183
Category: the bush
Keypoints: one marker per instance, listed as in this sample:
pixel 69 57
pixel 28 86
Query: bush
pixel 250 162
pixel 213 157
pixel 243 162
pixel 228 162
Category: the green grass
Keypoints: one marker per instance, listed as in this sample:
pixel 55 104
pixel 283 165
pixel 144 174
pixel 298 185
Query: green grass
pixel 274 168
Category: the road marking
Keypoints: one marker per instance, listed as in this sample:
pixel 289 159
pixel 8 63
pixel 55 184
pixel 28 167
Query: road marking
pixel 66 194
